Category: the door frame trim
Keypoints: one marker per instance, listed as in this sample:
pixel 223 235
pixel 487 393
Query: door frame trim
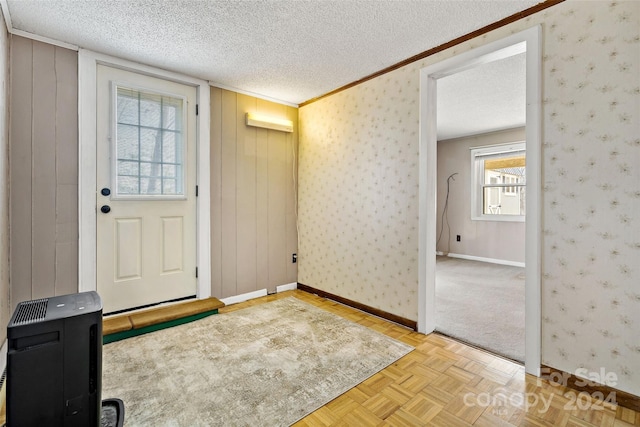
pixel 498 49
pixel 87 259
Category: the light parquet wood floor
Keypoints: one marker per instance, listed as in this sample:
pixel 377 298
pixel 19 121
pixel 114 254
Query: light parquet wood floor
pixel 449 384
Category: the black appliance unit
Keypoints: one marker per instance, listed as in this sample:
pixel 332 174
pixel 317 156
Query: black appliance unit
pixel 54 362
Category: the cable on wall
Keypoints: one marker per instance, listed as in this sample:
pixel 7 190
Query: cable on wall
pixel 445 216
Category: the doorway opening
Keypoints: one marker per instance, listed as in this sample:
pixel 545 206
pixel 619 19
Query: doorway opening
pixel 527 42
pixel 481 200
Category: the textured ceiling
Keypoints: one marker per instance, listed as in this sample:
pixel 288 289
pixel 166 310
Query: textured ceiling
pixel 483 99
pixel 288 50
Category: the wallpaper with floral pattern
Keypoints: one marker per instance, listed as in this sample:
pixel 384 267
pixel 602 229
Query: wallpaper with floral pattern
pixel 358 188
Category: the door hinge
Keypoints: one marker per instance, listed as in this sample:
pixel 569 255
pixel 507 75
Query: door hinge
pixel 197 110
pixel 196 272
pixel 196 191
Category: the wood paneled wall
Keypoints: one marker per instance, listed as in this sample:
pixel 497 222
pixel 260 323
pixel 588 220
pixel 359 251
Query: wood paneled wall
pixel 5 301
pixel 253 214
pixel 44 170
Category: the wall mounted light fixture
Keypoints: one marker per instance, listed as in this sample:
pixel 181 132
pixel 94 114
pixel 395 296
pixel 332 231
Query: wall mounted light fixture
pixel 267 122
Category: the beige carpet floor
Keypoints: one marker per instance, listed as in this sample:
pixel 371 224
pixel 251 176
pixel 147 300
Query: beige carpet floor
pixel 482 304
pixel 267 365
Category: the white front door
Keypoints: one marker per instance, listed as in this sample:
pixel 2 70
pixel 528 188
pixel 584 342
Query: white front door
pixel 146 189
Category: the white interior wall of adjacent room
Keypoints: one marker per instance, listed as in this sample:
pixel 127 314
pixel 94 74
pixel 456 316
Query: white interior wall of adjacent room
pixel 483 240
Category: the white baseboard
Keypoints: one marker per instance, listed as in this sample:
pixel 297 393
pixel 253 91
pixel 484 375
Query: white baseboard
pixel 244 297
pixel 491 260
pixel 287 287
pixel 257 294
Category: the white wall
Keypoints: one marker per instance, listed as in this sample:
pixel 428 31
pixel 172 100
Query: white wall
pixel 502 240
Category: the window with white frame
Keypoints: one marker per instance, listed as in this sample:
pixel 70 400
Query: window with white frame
pixel 498 182
pixel 149 147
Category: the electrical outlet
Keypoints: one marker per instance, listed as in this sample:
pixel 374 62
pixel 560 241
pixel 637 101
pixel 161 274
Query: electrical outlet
pixel 457 237
pixel 294 258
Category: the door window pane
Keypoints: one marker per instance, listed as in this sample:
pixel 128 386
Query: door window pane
pixel 127 142
pixel 170 145
pixel 128 108
pixel 150 110
pixel 128 185
pixel 149 144
pixel 128 168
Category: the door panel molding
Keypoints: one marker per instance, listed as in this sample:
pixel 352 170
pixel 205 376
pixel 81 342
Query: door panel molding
pixel 172 250
pixel 87 73
pixel 129 254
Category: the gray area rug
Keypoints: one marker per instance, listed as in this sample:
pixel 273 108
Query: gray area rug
pixel 266 365
pixel 482 304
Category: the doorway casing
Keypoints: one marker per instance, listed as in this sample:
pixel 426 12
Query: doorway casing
pixel 87 258
pixel 529 41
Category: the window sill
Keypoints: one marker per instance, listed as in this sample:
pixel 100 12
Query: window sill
pixel 499 218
